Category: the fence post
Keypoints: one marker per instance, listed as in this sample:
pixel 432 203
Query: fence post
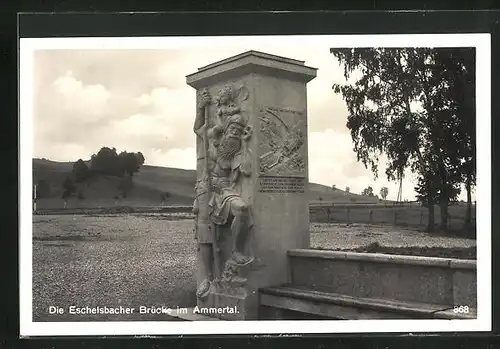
pixel 395 216
pixel 371 216
pixel 421 217
pixel 328 213
pixel 34 199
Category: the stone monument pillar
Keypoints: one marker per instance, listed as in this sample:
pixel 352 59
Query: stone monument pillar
pixel 251 201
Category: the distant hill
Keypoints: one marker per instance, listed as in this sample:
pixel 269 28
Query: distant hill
pixel 149 184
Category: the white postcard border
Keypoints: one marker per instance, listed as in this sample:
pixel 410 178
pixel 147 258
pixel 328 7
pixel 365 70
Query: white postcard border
pixel 482 42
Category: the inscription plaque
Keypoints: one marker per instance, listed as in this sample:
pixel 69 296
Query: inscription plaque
pixel 281 184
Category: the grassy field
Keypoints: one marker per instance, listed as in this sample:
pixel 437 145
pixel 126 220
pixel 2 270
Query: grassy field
pixel 149 184
pixel 150 259
pixel 443 252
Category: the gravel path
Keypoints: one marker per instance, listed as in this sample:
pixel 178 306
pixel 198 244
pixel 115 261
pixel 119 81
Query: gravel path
pixel 135 259
pixel 126 260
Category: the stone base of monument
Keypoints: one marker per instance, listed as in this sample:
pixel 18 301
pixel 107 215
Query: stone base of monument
pixel 239 304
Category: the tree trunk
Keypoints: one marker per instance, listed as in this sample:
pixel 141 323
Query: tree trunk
pixel 430 222
pixel 444 215
pixel 468 212
pixel 444 197
pixel 430 207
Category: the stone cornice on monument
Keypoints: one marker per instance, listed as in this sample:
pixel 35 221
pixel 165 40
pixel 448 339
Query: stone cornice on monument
pixel 251 62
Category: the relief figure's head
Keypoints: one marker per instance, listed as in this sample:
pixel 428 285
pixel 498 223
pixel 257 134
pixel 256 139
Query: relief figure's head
pixel 225 95
pixel 230 143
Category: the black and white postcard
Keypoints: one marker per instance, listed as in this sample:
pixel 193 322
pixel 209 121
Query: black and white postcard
pixel 255 184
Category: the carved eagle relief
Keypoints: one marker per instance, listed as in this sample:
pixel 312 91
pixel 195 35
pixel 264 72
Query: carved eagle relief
pixel 281 144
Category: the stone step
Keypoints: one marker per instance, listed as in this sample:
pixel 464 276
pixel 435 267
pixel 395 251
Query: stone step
pixel 339 306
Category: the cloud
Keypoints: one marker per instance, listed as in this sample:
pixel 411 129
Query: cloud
pixel 127 71
pixel 326 110
pixel 332 161
pixel 142 125
pixel 69 111
pixel 329 151
pixel 166 112
pixel 65 151
pixel 88 100
pixel 176 157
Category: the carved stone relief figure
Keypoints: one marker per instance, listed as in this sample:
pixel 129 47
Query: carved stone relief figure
pixel 228 101
pixel 219 206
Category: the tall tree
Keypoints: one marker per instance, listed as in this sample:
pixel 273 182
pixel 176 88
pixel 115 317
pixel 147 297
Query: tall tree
pixel 108 162
pixel 459 68
pixel 384 191
pixel 68 188
pixel 131 162
pixel 125 185
pixel 367 191
pixel 450 102
pixel 400 106
pixel 80 170
pixel 381 117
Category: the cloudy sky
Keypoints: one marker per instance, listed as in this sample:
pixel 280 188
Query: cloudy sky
pixel 138 100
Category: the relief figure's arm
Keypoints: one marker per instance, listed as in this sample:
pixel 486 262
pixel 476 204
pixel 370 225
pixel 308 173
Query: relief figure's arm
pixel 199 122
pixel 246 166
pixel 241 165
pixel 234 176
pixel 236 109
pixel 212 158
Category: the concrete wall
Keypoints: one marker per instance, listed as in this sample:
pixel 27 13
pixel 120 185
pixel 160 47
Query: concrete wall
pixel 429 280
